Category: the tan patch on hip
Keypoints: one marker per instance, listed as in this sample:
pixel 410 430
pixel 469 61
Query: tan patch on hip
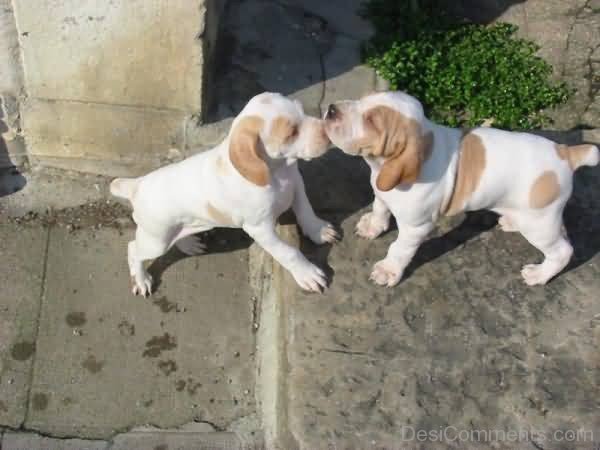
pixel 218 216
pixel 544 190
pixel 575 155
pixel 471 164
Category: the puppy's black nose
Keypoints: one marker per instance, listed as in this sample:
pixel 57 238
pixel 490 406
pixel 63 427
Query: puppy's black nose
pixel 332 112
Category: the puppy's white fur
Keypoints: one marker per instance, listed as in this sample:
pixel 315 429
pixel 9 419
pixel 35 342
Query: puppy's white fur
pixel 209 190
pixel 421 170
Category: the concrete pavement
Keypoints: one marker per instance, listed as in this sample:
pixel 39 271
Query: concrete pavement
pixel 228 344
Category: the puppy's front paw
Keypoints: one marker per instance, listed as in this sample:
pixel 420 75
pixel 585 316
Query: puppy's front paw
pixel 141 284
pixel 535 274
pixel 371 226
pixel 386 272
pixel 323 232
pixel 310 278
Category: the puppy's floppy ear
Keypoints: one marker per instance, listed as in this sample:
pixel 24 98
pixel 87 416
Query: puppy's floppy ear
pixel 405 166
pixel 401 143
pixel 246 151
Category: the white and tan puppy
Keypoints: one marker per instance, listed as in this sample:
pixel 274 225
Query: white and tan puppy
pixel 247 182
pixel 421 171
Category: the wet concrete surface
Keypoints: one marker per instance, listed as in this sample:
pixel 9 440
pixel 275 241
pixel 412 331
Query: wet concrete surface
pixel 104 360
pixel 22 255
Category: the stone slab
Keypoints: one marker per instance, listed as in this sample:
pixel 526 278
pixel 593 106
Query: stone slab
pixel 22 254
pixel 48 188
pixel 12 153
pixel 10 75
pixel 205 136
pixel 93 132
pixel 32 441
pixel 135 53
pixel 461 342
pixel 107 361
pixel 177 440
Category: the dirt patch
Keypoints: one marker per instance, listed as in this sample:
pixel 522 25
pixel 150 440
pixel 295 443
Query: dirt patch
pixel 91 215
pixel 39 402
pixel 22 351
pixel 92 365
pixel 126 328
pixel 165 305
pixel 75 319
pixel 167 367
pixel 158 344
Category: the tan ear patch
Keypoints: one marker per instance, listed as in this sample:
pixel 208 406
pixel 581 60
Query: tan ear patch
pixel 399 139
pixel 282 130
pixel 218 216
pixel 246 151
pixel 471 165
pixel 575 155
pixel 544 190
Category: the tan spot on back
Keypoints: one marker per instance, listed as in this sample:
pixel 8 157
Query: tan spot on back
pixel 282 130
pixel 575 155
pixel 471 164
pixel 218 216
pixel 544 190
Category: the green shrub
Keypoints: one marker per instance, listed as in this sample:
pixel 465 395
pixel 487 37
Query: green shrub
pixel 463 73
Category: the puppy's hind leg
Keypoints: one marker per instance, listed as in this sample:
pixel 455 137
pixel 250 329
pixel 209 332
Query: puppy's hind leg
pixel 144 247
pixel 546 233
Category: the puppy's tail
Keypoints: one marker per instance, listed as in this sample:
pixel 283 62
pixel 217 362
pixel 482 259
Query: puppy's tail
pixel 124 187
pixel 581 155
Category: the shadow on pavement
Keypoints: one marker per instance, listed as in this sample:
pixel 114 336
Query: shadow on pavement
pixel 218 240
pixel 11 180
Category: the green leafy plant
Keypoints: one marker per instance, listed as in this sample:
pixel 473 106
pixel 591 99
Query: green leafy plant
pixel 464 73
